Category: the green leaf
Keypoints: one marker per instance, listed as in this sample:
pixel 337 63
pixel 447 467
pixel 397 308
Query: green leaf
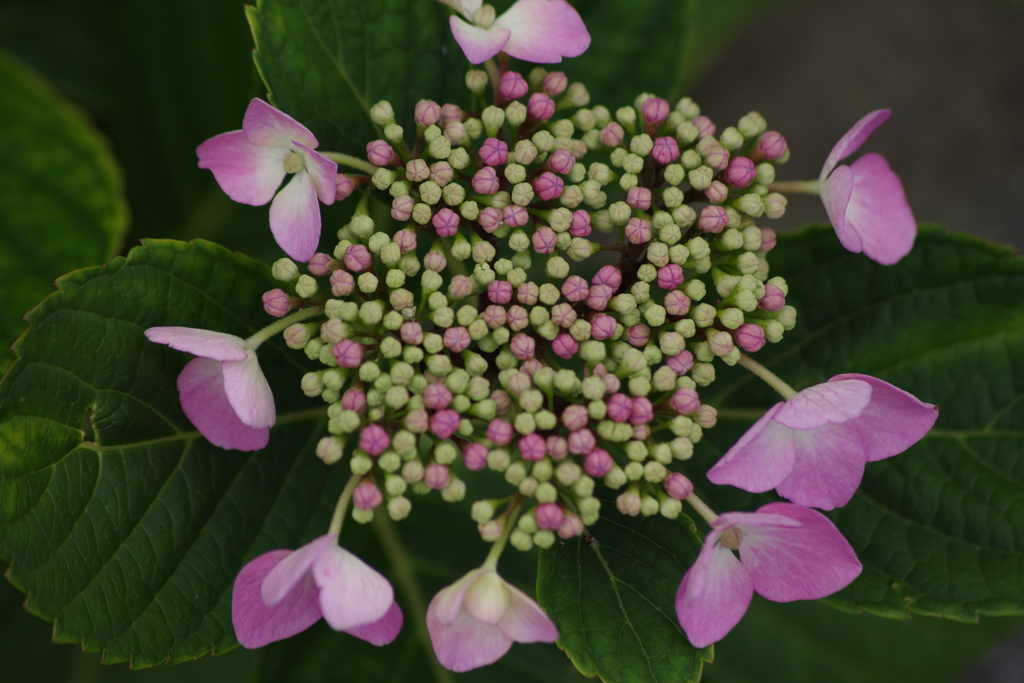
pixel 61 204
pixel 327 62
pixel 122 524
pixel 612 596
pixel 939 527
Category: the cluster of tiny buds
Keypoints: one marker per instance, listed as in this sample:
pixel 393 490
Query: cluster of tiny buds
pixel 466 335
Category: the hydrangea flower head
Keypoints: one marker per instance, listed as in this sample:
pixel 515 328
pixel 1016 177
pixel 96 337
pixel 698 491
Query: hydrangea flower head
pixel 541 31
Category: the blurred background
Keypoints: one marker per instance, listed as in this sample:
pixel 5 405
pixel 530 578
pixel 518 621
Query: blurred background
pixel 158 77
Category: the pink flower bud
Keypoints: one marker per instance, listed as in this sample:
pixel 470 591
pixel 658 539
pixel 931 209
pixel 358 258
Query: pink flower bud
pixel 641 432
pixel 704 126
pixel 677 303
pixel 527 293
pixel 494 316
pixel 450 113
pixel 558 447
pixel 518 318
pixel 427 113
pixel 612 135
pixel 549 516
pixel 523 346
pixel 561 161
pixel 460 287
pixel 571 527
pixel 411 333
pixel 455 132
pixel 581 441
pixel 348 354
pixel 665 151
pixel 436 476
pixel 681 363
pixel 750 337
pixel 357 258
pixel 671 277
pixel 499 432
pixel 610 276
pixel 485 181
pixel 489 218
pixel 598 297
pixel 401 207
pixel 654 110
pixel 611 383
pixel 436 396
pixel 721 342
pixel 548 186
pixel 629 503
pixel 474 455
pixel 603 327
pixel 638 335
pixel 457 339
pixel 740 173
pixel 512 85
pixel 380 153
pixel 768 239
pixel 373 439
pixel 493 152
pixel 435 261
pixel 367 496
pixel 532 447
pixel 717 192
pixel 354 400
pixel 555 83
pixel 678 486
pixel 685 401
pixel 642 411
pixel 406 240
pixel 342 283
pixel 598 463
pixel 499 291
pixel 321 264
pixel 564 346
pixel 580 226
pixel 445 222
pixel 575 288
pixel 540 107
pixel 277 303
pixel 639 198
pixel 443 423
pixel 770 146
pixel 442 173
pixel 344 187
pixel 773 299
pixel 713 219
pixel 717 157
pixel 638 230
pixel 515 216
pixel 575 417
pixel 620 407
pixel 706 416
pixel 544 240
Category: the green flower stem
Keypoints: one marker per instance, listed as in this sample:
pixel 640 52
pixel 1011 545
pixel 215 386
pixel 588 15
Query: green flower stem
pixel 768 376
pixel 510 515
pixel 494 74
pixel 796 186
pixel 351 162
pixel 273 328
pixel 339 510
pixel 405 577
pixel 456 266
pixel 702 508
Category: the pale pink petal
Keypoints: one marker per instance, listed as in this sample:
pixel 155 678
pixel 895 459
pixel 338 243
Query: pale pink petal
pixel 382 631
pixel 201 392
pixel 714 594
pixel 525 621
pixel 247 173
pixel 762 457
pixel 322 171
pixel 448 602
pixel 731 519
pixel 266 126
pixel 878 211
pixel 291 569
pixel 466 7
pixel 479 44
pixel 255 623
pixel 488 598
pixel 464 643
pixel 894 420
pixel 827 469
pixel 835 192
pixel 822 404
pixel 543 31
pixel 352 593
pixel 854 138
pixel 203 343
pixel 295 218
pixel 804 563
pixel 248 392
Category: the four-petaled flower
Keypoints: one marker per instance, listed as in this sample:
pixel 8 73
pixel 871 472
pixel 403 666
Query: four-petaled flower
pixel 284 592
pixel 787 552
pixel 474 621
pixel 223 391
pixel 541 31
pixel 249 165
pixel 865 200
pixel 812 448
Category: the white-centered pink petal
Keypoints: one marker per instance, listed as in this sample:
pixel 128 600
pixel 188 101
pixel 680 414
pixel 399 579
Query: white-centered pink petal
pixel 291 569
pixel 295 218
pixel 248 392
pixel 878 211
pixel 713 595
pixel 894 420
pixel 204 343
pixel 247 173
pixel 854 138
pixel 465 643
pixel 827 469
pixel 352 593
pixel 524 620
pixel 322 171
pixel 255 623
pixel 833 402
pixel 543 31
pixel 479 44
pixel 761 458
pixel 836 192
pixel 204 402
pixel 266 126
pixel 466 8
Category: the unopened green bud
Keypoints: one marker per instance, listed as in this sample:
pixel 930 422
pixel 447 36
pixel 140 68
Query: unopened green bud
pixel 615 479
pixel 521 540
pixel 700 178
pixel 765 173
pixel 703 373
pixel 382 114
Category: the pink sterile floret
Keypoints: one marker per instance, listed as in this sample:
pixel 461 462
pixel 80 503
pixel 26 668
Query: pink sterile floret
pixel 638 230
pixel 489 219
pixel 603 327
pixel 555 83
pixel 638 335
pixel 558 447
pixel 427 113
pixel 523 346
pixel 342 283
pixel 580 226
pixel 544 240
pixel 641 412
pixel 485 181
pixel 619 407
pixel 713 219
pixel 515 216
pixel 575 417
pixel 768 239
pixel 561 161
pixel 354 400
pixel 344 187
pixel 411 333
pixel 380 153
pixel 276 303
pixel 773 298
pixel 639 198
pixel 321 264
pixel 499 291
pixel 581 441
pixel 612 135
pixel 771 146
pixel 654 110
pixel 685 401
pixel 750 337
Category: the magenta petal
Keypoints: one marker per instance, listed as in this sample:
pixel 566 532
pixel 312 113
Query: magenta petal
pixel 854 138
pixel 828 467
pixel 247 173
pixel 524 620
pixel 878 211
pixel 836 192
pixel 266 126
pixel 295 218
pixel 203 343
pixel 291 569
pixel 894 420
pixel 204 402
pixel 465 643
pixel 479 44
pixel 828 403
pixel 714 594
pixel 322 171
pixel 352 593
pixel 543 31
pixel 248 392
pixel 382 631
pixel 255 623
pixel 762 457
pixel 803 563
